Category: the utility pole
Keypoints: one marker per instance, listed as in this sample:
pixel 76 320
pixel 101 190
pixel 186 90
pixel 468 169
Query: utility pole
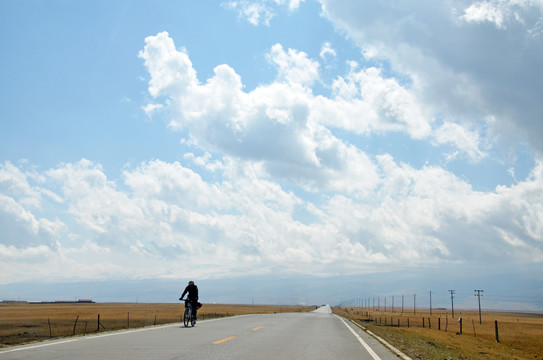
pixel 392 303
pixel 414 304
pixel 452 301
pixel 430 302
pixel 402 304
pixel 479 296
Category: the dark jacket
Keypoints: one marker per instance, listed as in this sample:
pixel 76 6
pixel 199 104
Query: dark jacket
pixel 193 292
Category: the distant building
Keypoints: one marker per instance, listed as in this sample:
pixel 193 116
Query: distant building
pixel 80 301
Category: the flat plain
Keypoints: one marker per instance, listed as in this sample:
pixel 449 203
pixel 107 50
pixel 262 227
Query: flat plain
pixel 434 338
pixel 24 322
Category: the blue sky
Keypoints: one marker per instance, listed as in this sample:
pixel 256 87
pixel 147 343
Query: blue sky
pixel 273 139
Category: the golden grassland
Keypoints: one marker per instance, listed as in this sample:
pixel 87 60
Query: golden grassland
pixel 22 323
pixel 520 334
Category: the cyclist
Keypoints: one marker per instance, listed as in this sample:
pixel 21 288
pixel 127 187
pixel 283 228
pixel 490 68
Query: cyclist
pixel 192 296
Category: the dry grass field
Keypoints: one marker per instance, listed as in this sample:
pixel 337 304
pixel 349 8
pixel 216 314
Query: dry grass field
pixel 520 334
pixel 22 323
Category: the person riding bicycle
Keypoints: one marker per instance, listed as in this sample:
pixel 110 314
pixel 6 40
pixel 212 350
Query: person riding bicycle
pixel 192 296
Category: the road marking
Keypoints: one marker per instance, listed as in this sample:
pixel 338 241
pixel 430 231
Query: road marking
pixel 26 347
pixel 97 336
pixel 224 340
pixel 366 346
pixel 396 351
pixel 86 337
pixel 275 322
pixel 258 328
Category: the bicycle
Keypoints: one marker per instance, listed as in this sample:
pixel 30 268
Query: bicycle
pixel 188 317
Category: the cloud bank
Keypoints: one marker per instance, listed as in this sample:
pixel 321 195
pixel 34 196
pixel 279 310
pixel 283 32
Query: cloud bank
pixel 473 63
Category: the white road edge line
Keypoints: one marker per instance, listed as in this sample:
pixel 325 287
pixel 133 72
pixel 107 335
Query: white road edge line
pixel 94 336
pixel 366 346
pixel 396 351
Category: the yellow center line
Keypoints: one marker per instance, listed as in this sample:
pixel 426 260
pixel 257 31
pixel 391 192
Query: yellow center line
pixel 275 322
pixel 224 340
pixel 258 328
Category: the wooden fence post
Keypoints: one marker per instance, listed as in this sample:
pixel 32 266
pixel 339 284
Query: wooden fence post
pixel 128 320
pixel 496 328
pixel 99 324
pixel 423 322
pixel 439 323
pixel 460 321
pixel 49 323
pixel 75 324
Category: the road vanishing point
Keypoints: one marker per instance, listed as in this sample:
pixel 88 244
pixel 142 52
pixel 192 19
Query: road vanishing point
pixel 315 335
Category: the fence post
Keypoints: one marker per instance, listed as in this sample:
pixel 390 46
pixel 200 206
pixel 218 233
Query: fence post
pixel 99 324
pixel 423 322
pixel 429 323
pixel 439 323
pixel 407 322
pixel 460 321
pixel 496 328
pixel 128 320
pixel 49 323
pixel 75 324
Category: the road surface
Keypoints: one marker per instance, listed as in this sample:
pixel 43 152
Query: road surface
pixel 316 335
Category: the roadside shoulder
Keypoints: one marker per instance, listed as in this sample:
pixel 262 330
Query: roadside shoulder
pixel 382 341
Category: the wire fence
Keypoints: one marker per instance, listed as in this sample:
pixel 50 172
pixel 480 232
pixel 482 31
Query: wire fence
pixel 42 329
pixel 22 323
pixel 520 330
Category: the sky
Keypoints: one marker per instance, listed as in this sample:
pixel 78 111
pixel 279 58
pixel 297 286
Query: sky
pixel 287 151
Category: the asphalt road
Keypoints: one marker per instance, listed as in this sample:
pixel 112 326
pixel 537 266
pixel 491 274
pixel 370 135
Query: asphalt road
pixel 316 335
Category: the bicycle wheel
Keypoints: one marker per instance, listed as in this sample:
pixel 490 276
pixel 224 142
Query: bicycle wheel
pixel 186 317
